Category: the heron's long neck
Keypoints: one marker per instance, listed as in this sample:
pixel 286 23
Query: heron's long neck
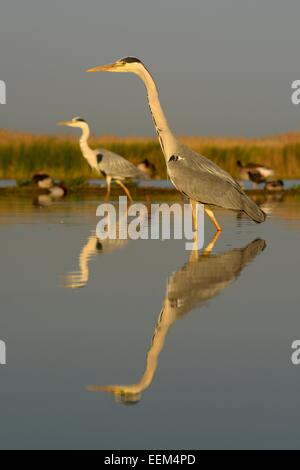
pixel 86 150
pixel 83 141
pixel 165 136
pixel 158 340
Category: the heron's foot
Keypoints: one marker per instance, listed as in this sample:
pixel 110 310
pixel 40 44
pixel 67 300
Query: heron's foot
pixel 125 189
pixel 212 217
pixel 210 246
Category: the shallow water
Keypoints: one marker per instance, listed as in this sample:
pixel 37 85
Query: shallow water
pixel 217 329
pixel 152 183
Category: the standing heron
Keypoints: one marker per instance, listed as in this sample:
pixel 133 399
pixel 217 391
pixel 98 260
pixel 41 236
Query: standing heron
pixel 196 177
pixel 111 165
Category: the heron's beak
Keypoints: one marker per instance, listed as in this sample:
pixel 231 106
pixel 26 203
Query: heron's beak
pixel 128 391
pixel 63 123
pixel 106 68
pixel 105 388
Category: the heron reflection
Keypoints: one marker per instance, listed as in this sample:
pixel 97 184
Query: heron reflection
pixel 93 247
pixel 202 278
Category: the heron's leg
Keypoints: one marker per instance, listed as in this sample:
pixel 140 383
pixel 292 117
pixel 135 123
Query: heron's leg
pixel 126 190
pixel 212 217
pixel 195 217
pixel 108 183
pixel 212 243
pixel 194 256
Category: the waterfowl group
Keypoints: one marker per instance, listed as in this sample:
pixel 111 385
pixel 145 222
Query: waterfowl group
pixel 49 191
pixel 259 174
pixel 249 169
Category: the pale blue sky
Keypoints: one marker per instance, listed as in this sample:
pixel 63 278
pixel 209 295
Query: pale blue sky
pixel 223 67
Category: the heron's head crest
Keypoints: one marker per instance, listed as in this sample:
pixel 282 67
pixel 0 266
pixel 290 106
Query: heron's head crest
pixel 78 119
pixel 130 60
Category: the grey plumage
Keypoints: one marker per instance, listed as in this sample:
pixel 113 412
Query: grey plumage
pixel 192 174
pixel 113 166
pixel 117 167
pixel 203 181
pixel 201 280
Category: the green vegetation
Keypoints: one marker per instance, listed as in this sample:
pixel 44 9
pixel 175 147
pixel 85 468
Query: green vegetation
pixel 21 155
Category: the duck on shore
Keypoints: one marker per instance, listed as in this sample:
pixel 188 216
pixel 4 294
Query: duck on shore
pixel 148 168
pixel 256 178
pixel 276 185
pixel 50 191
pixel 42 180
pixel 245 171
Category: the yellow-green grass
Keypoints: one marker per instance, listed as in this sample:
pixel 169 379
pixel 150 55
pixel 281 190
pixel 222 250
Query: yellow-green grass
pixel 22 154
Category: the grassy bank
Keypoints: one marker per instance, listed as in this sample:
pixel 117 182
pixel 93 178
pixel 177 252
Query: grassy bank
pixel 23 154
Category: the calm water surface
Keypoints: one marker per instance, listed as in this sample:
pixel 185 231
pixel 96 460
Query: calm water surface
pixel 200 347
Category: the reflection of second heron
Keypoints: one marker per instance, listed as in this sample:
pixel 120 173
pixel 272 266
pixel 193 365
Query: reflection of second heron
pixel 91 248
pixel 201 279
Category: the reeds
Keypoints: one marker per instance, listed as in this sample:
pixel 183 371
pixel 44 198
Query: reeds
pixel 21 154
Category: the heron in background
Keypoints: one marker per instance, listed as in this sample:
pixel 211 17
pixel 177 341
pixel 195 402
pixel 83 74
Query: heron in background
pixel 111 165
pixel 201 279
pixel 196 177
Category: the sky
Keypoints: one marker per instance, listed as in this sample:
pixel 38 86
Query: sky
pixel 223 67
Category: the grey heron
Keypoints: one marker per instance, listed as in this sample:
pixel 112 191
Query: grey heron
pixel 201 279
pixel 195 176
pixel 111 165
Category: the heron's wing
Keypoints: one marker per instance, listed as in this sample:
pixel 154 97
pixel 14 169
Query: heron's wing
pixel 199 281
pixel 116 166
pixel 202 180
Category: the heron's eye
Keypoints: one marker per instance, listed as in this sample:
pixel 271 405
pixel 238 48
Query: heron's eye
pixel 174 158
